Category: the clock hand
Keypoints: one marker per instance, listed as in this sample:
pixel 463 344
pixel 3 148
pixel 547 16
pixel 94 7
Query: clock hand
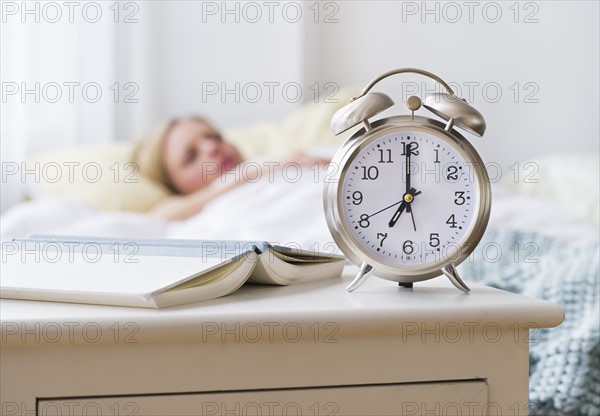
pixel 393 205
pixel 397 214
pixel 407 172
pixel 408 188
pixel 386 208
pixel 407 199
pixel 409 209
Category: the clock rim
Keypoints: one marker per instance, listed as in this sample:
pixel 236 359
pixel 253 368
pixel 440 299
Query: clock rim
pixel 333 204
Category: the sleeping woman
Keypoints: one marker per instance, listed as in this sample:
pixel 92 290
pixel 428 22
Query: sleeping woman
pixel 187 156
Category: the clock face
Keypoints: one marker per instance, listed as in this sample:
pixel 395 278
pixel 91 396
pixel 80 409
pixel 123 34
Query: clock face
pixel 410 197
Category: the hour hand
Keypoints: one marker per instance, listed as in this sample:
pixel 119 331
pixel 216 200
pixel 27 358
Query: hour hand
pixel 408 197
pixel 397 214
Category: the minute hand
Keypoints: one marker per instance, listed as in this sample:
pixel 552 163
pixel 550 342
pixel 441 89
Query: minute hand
pixel 407 172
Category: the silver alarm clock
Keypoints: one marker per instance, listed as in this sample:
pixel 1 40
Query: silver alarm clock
pixel 409 197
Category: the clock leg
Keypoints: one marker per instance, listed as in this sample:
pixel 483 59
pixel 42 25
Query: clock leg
pixel 408 285
pixel 450 271
pixel 360 278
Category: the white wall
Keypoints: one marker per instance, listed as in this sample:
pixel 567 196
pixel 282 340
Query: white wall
pixel 203 51
pixel 169 50
pixel 558 55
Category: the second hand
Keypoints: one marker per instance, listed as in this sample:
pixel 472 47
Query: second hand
pixel 393 205
pixel 409 209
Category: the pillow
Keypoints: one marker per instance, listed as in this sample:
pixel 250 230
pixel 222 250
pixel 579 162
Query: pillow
pixel 306 127
pixel 101 176
pixel 568 180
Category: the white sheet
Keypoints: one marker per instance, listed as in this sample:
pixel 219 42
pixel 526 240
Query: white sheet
pixel 281 211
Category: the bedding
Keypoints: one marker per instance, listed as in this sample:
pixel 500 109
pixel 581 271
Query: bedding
pixel 534 246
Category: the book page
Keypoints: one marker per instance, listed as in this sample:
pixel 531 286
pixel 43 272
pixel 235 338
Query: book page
pixel 93 271
pixel 275 268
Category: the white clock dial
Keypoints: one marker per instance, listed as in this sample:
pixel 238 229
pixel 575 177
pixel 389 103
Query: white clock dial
pixel 412 216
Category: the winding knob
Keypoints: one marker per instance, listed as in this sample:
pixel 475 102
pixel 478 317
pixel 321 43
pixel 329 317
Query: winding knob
pixel 413 103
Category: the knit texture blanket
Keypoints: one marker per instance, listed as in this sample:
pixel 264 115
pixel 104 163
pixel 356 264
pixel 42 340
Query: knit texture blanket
pixel 564 361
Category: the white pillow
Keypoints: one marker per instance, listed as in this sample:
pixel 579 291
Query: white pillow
pixel 569 180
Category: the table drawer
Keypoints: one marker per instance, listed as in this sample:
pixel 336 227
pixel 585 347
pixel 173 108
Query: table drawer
pixel 460 397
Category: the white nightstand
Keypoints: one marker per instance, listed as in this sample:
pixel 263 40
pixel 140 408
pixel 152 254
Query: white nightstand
pixel 312 349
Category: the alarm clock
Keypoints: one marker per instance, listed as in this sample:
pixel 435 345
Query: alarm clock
pixel 409 197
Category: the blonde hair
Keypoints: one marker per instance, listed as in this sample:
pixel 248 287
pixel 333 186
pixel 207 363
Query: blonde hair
pixel 148 152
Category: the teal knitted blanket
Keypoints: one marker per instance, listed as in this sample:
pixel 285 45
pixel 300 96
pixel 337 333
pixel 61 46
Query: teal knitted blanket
pixel 564 361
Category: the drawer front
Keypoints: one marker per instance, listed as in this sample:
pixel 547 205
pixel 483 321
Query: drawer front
pixel 450 398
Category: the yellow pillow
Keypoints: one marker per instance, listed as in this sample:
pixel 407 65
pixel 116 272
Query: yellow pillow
pixel 308 126
pixel 102 176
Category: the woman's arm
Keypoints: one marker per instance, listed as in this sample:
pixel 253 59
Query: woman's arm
pixel 179 207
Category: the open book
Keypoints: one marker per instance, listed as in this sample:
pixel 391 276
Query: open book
pixel 150 273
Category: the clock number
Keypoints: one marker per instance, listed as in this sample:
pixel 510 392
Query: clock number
pixel 451 221
pixel 460 199
pixel 437 155
pixel 384 236
pixel 411 147
pixel 407 247
pixel 434 239
pixel 371 173
pixel 364 221
pixel 452 173
pixel 382 157
pixel 357 197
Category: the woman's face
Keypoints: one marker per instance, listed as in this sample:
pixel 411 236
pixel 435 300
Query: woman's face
pixel 195 154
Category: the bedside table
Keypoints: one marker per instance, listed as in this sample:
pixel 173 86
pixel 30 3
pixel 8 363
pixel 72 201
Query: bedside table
pixel 310 349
